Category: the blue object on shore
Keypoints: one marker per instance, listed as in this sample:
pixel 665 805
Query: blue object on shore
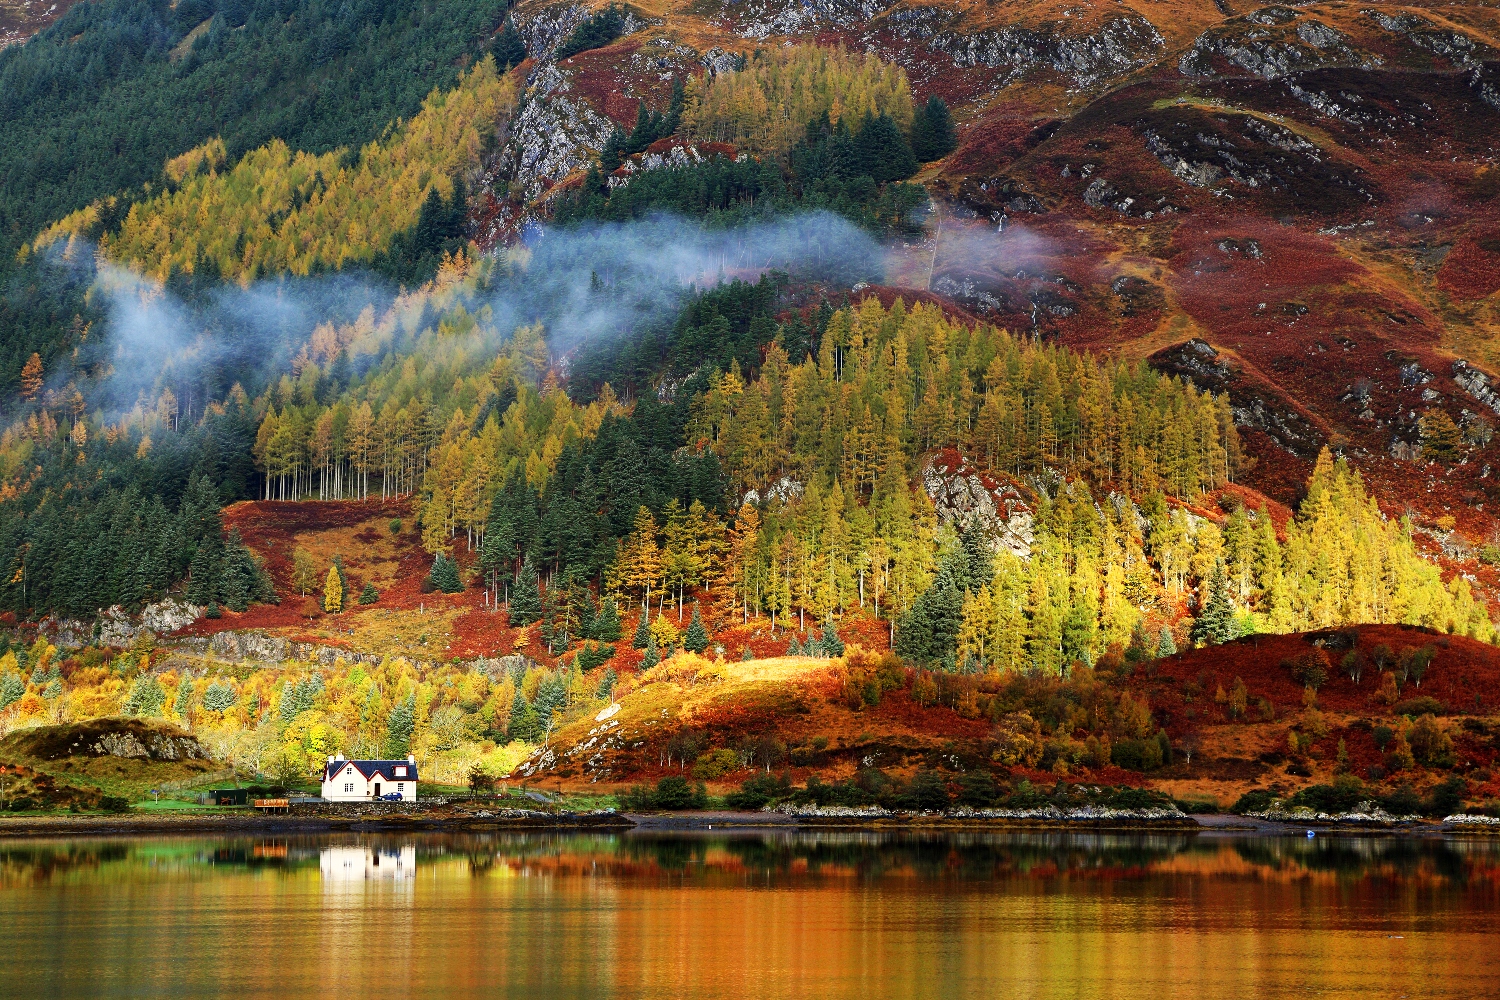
pixel 1310 835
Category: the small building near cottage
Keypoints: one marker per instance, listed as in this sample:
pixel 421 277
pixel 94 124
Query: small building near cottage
pixel 366 780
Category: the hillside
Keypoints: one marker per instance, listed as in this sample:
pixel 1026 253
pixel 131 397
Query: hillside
pixel 433 378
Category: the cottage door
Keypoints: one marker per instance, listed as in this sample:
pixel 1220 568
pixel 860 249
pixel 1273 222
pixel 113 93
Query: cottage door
pixel 377 789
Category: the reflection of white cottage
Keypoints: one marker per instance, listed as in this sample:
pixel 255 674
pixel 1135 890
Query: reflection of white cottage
pixel 363 780
pixel 358 864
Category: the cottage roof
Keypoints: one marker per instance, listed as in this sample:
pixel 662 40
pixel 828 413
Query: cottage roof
pixel 371 768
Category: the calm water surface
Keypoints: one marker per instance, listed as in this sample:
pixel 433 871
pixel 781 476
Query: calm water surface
pixel 785 915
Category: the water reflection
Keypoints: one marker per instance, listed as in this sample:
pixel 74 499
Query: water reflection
pixel 755 914
pixel 343 866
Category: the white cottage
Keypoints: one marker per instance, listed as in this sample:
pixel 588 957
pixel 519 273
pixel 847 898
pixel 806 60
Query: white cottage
pixel 363 780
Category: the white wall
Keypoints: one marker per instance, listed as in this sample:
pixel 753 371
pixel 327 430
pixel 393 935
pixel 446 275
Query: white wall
pixel 364 789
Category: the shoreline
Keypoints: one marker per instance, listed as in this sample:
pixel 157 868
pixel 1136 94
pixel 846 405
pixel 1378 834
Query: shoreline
pixel 321 822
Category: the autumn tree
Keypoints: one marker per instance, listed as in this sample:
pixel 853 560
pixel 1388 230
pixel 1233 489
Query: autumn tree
pixel 333 592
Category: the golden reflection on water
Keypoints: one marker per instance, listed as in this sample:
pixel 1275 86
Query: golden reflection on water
pixel 759 916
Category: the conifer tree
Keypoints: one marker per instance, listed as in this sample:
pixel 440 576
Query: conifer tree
pixel 1165 646
pixel 183 704
pixel 1216 624
pixel 932 133
pixel 652 657
pixel 832 644
pixel 399 727
pixel 606 627
pixel 509 49
pixel 444 576
pixel 526 597
pixel 642 636
pixel 369 595
pixel 333 592
pixel 523 724
pixel 696 639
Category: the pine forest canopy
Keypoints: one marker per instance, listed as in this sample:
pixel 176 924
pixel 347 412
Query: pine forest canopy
pixel 765 107
pixel 94 104
pixel 279 212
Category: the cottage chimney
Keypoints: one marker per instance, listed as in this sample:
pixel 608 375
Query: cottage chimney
pixel 411 758
pixel 330 758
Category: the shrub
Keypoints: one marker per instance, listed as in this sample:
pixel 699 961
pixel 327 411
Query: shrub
pixel 1430 746
pixel 926 792
pixel 1344 794
pixel 395 526
pixel 758 792
pixel 673 792
pixel 1309 668
pixel 1447 797
pixel 977 789
pixel 715 764
pixel 369 595
pixel 1383 735
pixel 1255 800
pixel 1420 705
pixel 1402 802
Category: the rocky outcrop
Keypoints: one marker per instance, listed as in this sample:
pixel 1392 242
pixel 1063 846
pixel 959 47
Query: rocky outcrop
pixel 1456 47
pixel 118 628
pixel 1476 383
pixel 761 18
pixel 555 133
pixel 147 745
pixel 1271 43
pixel 968 500
pixel 1122 44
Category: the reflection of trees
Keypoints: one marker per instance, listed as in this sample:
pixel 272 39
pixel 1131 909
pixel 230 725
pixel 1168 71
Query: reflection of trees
pixel 1355 856
pixel 787 855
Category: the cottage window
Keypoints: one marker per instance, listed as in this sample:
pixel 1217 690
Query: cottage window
pixel 400 772
pixel 400 786
pixel 349 786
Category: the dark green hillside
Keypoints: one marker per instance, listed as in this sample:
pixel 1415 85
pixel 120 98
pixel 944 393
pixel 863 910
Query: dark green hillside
pixel 96 103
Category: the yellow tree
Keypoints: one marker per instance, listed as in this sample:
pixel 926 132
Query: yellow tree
pixel 333 592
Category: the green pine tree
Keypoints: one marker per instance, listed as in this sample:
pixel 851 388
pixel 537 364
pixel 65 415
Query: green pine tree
pixel 369 595
pixel 697 636
pixel 606 627
pixel 399 727
pixel 1165 646
pixel 523 724
pixel 832 644
pixel 642 631
pixel 652 657
pixel 444 575
pixel 509 49
pixel 526 597
pixel 932 133
pixel 1217 623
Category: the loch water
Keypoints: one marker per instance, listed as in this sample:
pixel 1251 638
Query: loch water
pixel 751 915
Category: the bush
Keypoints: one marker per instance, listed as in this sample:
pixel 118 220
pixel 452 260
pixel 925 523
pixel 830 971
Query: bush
pixel 1420 705
pixel 715 764
pixel 369 595
pixel 977 789
pixel 1402 802
pixel 927 791
pixel 1255 800
pixel 1309 669
pixel 758 792
pixel 1344 794
pixel 1447 797
pixel 1198 807
pixel 676 793
pixel 1430 746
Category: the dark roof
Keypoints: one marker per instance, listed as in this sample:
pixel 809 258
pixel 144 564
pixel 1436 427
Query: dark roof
pixel 371 768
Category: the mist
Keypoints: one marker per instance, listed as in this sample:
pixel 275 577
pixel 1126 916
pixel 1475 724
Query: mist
pixel 583 284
